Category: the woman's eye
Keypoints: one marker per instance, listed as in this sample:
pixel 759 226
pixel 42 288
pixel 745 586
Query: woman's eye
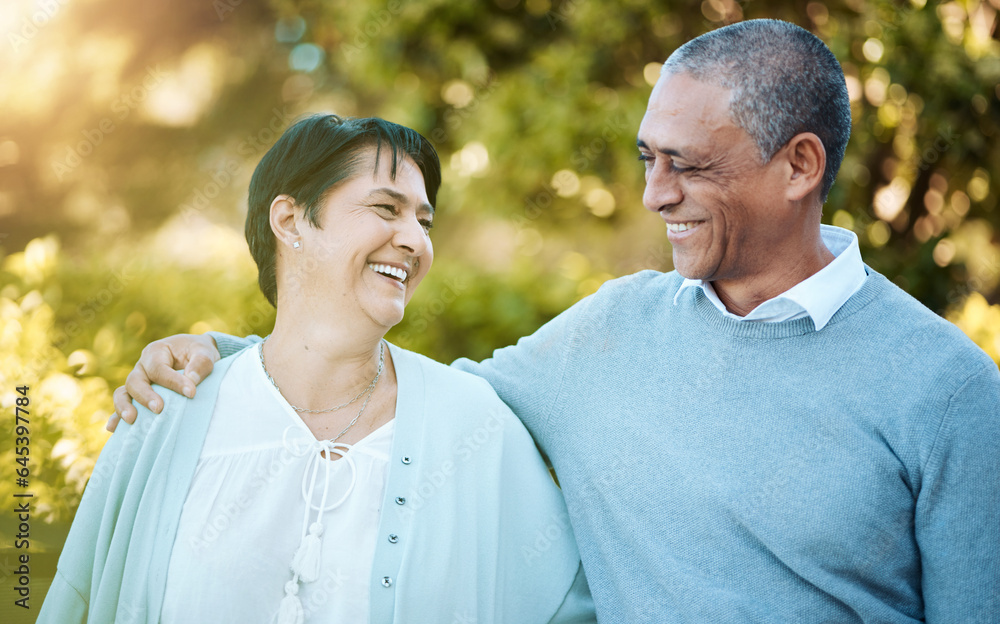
pixel 391 209
pixel 427 223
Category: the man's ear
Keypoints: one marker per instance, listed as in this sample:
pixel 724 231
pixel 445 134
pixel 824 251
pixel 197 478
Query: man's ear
pixel 284 221
pixel 806 158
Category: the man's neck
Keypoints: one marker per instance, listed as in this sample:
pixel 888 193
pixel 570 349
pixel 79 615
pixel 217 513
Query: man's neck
pixel 741 296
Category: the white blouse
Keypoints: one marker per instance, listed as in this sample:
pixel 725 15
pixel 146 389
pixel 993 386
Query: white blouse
pixel 246 515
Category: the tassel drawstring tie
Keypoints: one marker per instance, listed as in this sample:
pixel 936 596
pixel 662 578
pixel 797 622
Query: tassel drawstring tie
pixel 307 562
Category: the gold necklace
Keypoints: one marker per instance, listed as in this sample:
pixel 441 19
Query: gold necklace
pixel 367 391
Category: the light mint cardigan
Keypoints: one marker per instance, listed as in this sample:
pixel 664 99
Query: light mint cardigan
pixel 481 533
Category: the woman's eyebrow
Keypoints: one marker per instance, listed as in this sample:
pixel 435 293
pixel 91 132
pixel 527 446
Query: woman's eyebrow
pixel 399 197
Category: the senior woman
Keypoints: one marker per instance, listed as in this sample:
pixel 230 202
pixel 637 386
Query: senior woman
pixel 324 475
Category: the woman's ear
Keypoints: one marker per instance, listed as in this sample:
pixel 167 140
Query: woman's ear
pixel 284 221
pixel 807 163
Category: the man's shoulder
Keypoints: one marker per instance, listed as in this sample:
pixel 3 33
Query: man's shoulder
pixel 638 288
pixel 617 300
pixel 644 281
pixel 897 316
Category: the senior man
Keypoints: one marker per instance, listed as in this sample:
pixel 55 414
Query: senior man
pixel 773 432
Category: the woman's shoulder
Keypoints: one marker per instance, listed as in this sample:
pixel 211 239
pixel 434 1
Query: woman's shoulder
pixel 175 405
pixel 461 415
pixel 457 400
pixel 435 373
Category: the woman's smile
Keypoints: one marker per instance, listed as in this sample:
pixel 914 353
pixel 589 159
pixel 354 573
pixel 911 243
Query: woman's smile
pixel 396 273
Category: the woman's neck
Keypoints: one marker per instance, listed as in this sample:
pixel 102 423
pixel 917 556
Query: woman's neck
pixel 318 366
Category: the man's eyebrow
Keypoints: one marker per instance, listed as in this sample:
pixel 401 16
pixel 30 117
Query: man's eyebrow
pixel 669 152
pixel 400 197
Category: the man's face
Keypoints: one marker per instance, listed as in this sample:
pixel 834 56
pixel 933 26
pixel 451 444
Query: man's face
pixel 704 176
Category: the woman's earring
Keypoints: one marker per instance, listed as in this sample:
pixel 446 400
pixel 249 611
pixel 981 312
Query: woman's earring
pixel 295 245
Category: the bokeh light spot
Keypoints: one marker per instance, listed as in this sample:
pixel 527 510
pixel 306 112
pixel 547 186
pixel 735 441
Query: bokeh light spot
pixel 601 202
pixel 472 160
pixel 818 13
pixel 890 200
pixel 878 233
pixel 979 104
pixel 843 219
pixel 944 252
pixel 305 57
pixel 873 49
pixel 458 93
pixel 651 73
pixel 289 29
pixel 979 185
pixel 854 89
pixel 960 203
pixel 566 183
pixel 538 7
pixel 876 86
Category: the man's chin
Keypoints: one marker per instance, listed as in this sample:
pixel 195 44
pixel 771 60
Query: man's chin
pixel 690 270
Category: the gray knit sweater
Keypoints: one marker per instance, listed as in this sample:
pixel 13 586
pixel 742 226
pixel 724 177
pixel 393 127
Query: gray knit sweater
pixel 724 471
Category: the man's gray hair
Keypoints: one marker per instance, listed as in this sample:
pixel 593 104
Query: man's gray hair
pixel 784 81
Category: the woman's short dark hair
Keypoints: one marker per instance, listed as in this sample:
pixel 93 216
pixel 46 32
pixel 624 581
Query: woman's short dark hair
pixel 313 156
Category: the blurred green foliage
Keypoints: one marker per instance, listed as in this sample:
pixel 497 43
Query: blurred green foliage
pixel 127 146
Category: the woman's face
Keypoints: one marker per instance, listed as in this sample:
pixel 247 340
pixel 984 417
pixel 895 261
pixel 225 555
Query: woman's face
pixel 372 247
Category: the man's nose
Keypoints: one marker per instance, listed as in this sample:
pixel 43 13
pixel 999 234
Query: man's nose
pixel 663 189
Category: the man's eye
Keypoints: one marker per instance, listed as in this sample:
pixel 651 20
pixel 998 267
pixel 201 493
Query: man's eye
pixel 391 209
pixel 648 159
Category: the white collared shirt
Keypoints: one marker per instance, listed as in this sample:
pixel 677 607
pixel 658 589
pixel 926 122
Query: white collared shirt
pixel 818 296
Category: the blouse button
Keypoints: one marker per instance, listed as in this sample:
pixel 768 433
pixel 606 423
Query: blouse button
pixel 386 581
pixel 400 500
pixel 393 538
pixel 406 459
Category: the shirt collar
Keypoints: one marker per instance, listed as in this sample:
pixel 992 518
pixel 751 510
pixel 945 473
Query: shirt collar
pixel 818 296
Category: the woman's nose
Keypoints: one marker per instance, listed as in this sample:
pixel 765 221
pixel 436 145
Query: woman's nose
pixel 411 236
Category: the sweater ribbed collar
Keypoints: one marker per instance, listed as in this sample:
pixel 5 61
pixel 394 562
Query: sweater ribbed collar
pixel 875 284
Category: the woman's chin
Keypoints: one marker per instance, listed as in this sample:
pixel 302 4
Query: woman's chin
pixel 389 317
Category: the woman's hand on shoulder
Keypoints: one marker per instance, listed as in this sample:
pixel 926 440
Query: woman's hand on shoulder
pixel 195 355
